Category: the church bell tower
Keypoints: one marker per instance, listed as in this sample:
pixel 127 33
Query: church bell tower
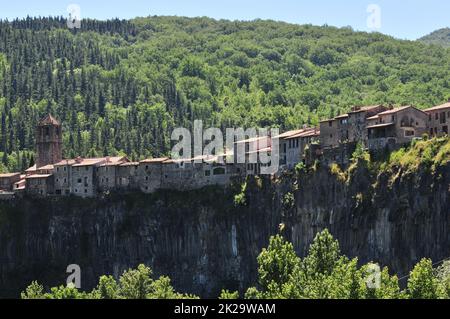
pixel 48 141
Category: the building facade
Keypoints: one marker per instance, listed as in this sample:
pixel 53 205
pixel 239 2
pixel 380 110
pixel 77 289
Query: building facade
pixel 48 141
pixel 438 119
pixel 398 126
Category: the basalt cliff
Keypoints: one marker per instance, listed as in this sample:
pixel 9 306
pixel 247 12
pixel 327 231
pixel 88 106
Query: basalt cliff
pixel 206 240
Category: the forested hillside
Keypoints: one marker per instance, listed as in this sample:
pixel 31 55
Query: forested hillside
pixel 438 37
pixel 121 86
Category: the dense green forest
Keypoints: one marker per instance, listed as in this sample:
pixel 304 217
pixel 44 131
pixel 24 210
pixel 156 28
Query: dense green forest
pixel 325 273
pixel 121 86
pixel 438 37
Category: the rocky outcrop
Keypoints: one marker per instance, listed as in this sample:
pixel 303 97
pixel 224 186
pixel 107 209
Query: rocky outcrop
pixel 204 242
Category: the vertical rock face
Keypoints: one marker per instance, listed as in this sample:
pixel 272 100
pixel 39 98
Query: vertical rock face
pixel 205 243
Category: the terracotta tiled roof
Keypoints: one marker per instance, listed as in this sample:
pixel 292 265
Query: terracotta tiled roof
pixel 253 139
pixel 380 125
pixel 8 175
pixel 154 160
pixel 358 109
pixel 77 162
pixel 89 162
pixel 375 117
pixel 305 133
pixel 31 169
pixel 48 120
pixel 289 133
pixel 395 110
pixel 439 107
pixel 65 162
pixel 266 149
pixel 46 167
pixel 342 116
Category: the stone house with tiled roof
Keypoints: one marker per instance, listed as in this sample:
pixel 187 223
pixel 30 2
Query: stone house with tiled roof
pixel 347 128
pixel 397 126
pixel 8 180
pixel 439 119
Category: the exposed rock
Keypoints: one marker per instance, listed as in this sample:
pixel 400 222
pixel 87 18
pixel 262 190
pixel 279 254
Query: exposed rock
pixel 205 243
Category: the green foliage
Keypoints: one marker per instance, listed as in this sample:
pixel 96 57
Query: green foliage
pixel 136 283
pixel 438 37
pixel 323 255
pixel 228 295
pixel 326 274
pixel 360 154
pixel 443 276
pixel 337 171
pixel 107 288
pixel 422 282
pixel 430 154
pixel 276 264
pixel 300 168
pixel 33 291
pixel 122 86
pixel 323 274
pixel 133 284
pixel 288 201
pixel 241 198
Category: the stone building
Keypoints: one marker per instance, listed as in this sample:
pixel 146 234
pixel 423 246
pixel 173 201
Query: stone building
pixel 128 177
pixel 439 119
pixel 357 122
pixel 40 184
pixel 398 126
pixel 150 171
pixel 293 145
pixel 8 180
pixel 348 128
pixel 48 141
pixel 247 153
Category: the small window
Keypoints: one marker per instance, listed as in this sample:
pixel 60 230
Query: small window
pixel 87 168
pixel 79 181
pixel 207 173
pixel 409 133
pixel 85 190
pixel 219 171
pixel 57 169
pixel 65 168
pixel 330 123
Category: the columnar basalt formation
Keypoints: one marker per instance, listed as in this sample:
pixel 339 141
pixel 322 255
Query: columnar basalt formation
pixel 205 242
